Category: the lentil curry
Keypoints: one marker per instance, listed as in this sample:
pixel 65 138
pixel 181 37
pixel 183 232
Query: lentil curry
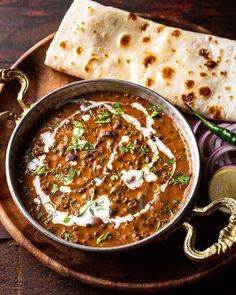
pixel 106 169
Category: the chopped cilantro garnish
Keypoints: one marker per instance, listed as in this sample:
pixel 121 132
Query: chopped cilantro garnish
pixel 133 132
pixel 40 215
pixel 40 170
pixel 104 118
pixel 180 179
pixel 167 209
pixel 117 108
pixel 155 110
pixel 54 188
pixel 67 219
pixel 68 237
pixel 131 147
pixel 168 163
pixel 79 124
pixel 123 149
pixel 140 205
pixel 143 150
pixel 114 177
pixel 103 237
pixel 68 178
pixel 78 172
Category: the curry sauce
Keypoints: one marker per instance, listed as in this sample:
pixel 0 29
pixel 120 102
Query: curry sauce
pixel 106 169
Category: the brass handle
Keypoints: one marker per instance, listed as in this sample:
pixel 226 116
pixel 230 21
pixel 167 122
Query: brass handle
pixel 7 75
pixel 227 236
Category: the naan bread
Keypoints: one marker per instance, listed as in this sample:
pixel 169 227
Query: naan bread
pixel 96 41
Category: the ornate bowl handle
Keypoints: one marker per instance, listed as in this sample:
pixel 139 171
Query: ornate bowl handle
pixel 7 75
pixel 227 236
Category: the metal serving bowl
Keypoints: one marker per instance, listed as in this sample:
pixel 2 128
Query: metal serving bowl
pixel 34 114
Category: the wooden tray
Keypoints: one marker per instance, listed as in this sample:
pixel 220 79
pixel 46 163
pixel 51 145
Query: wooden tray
pixel 154 267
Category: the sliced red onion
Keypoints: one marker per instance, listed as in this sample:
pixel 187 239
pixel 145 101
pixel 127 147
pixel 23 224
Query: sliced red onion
pixel 210 164
pixel 215 152
pixel 196 125
pixel 202 143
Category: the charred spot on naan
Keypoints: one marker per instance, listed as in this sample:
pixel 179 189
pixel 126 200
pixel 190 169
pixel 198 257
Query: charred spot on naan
pixel 216 111
pixel 223 73
pixel 188 97
pixel 205 53
pixel 228 88
pixel 189 84
pixel 205 91
pixel 159 29
pixel 118 62
pixel 167 72
pixel 88 67
pixel 149 60
pixel 176 33
pixel 132 16
pixel 146 39
pixel 79 50
pixel 202 74
pixel 210 64
pixel 124 40
pixel 65 45
pixel 149 82
pixel 144 27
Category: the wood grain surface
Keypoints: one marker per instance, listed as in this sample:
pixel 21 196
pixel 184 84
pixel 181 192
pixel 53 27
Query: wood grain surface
pixel 25 22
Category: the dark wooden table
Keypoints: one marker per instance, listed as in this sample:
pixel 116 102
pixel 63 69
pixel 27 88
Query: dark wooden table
pixel 24 22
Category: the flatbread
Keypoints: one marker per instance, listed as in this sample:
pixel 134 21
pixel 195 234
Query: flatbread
pixel 96 41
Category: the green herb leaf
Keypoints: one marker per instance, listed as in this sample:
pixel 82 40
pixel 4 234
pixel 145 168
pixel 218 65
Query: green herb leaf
pixel 181 179
pixel 54 188
pixel 103 238
pixel 87 146
pixel 155 110
pixel 143 150
pixel 131 147
pixel 67 219
pixel 167 209
pixel 117 108
pixel 140 205
pixel 79 124
pixel 133 132
pixel 68 178
pixel 68 237
pixel 168 163
pixel 175 202
pixel 40 215
pixel 59 175
pixel 114 177
pixel 78 172
pixel 40 170
pixel 104 118
pixel 89 203
pixel 123 149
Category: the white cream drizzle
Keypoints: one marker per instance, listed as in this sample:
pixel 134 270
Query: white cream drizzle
pixel 139 176
pixel 65 189
pixel 100 209
pixel 36 162
pixel 86 117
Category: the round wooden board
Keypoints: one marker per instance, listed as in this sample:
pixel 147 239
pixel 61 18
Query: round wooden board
pixel 154 267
